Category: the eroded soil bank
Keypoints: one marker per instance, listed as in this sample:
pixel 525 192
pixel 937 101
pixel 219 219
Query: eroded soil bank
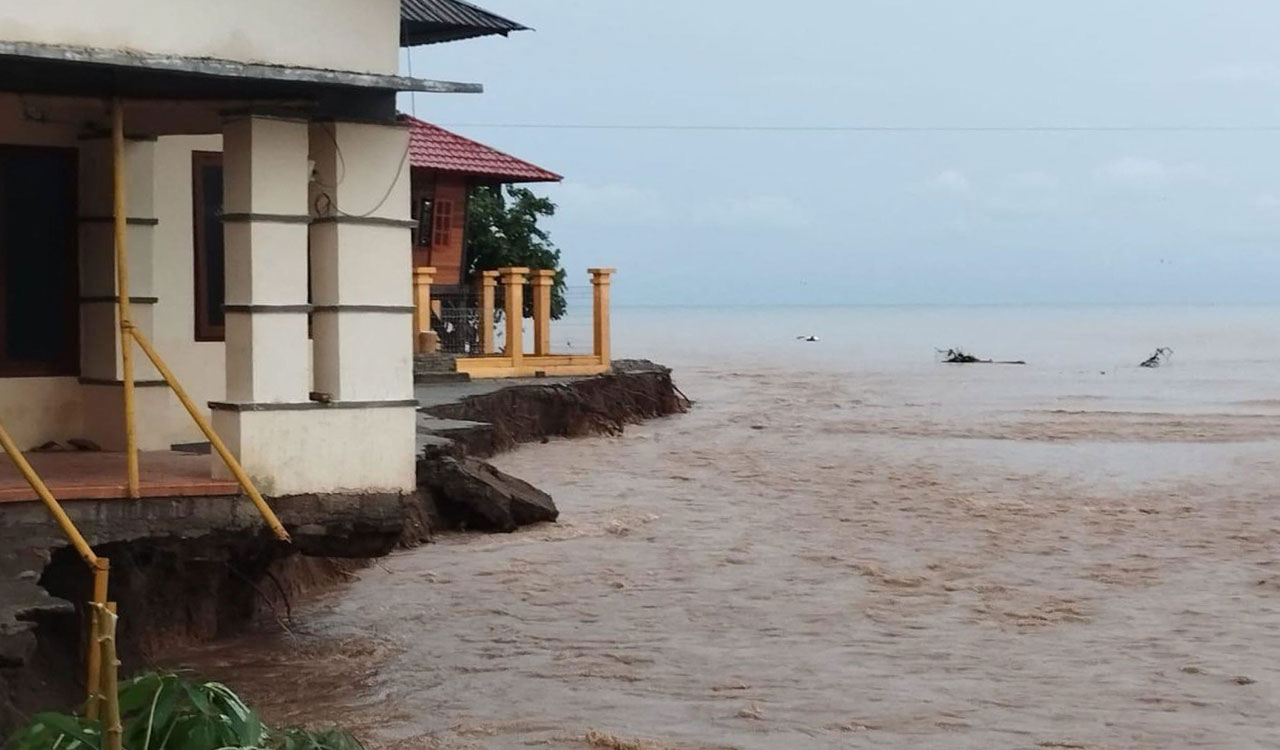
pixel 190 571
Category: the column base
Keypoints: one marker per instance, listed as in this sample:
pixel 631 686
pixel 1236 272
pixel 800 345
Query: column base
pixel 298 449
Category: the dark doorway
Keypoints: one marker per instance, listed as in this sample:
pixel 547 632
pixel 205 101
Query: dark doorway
pixel 39 305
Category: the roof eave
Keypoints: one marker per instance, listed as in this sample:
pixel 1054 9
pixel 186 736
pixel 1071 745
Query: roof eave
pixel 505 179
pixel 419 35
pixel 230 69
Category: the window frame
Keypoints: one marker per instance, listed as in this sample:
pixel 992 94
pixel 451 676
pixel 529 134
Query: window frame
pixel 426 221
pixel 205 330
pixel 442 223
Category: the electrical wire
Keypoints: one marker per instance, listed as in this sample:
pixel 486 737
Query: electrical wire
pixel 413 97
pixel 878 128
pixel 330 207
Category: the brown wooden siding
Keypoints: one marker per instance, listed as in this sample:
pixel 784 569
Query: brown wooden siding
pixel 439 242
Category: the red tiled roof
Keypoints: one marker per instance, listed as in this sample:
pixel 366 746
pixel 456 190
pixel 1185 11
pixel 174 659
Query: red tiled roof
pixel 433 147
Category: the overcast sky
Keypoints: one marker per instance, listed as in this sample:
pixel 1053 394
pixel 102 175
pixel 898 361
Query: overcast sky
pixel 901 217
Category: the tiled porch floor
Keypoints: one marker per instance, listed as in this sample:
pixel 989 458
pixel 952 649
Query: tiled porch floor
pixel 101 476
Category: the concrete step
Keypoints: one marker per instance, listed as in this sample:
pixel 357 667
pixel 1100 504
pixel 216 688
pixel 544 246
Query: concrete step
pixel 428 378
pixel 434 362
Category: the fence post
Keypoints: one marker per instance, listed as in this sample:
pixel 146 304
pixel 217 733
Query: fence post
pixel 542 281
pixel 600 313
pixel 513 296
pixel 424 339
pixel 488 283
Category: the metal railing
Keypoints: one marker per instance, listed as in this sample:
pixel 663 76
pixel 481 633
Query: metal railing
pixel 457 323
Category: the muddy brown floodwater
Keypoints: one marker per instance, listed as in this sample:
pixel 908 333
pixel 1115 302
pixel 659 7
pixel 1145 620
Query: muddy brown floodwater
pixel 828 560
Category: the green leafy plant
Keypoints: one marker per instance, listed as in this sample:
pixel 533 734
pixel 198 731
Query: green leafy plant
pixel 168 712
pixel 502 230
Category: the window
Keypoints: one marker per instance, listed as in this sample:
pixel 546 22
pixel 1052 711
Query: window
pixel 210 257
pixel 210 250
pixel 426 215
pixel 39 289
pixel 442 224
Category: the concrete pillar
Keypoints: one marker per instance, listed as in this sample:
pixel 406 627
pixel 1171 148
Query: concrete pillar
pixel 488 285
pixel 361 261
pixel 425 339
pixel 268 377
pixel 363 297
pixel 600 282
pixel 542 282
pixel 513 296
pixel 265 235
pixel 100 354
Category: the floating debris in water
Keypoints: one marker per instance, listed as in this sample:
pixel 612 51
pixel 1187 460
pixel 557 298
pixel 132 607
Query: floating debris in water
pixel 959 356
pixel 1160 358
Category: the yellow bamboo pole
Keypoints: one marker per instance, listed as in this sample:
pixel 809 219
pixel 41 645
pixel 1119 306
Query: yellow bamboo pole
pixel 238 471
pixel 93 705
pixel 64 522
pixel 99 565
pixel 122 293
pixel 111 729
pixel 93 681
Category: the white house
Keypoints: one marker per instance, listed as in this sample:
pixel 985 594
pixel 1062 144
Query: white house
pixel 298 341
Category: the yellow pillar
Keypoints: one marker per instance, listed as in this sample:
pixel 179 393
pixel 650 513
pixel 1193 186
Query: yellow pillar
pixel 542 281
pixel 424 339
pixel 513 294
pixel 600 313
pixel 488 283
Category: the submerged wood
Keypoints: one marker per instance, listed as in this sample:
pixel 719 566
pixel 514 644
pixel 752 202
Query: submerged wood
pixel 961 357
pixel 1161 357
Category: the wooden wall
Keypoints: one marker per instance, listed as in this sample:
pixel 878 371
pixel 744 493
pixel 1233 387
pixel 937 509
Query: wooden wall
pixel 444 248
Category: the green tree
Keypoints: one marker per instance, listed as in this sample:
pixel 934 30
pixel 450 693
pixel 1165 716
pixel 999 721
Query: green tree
pixel 502 230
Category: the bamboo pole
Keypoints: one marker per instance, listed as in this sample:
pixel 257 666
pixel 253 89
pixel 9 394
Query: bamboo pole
pixel 122 294
pixel 94 657
pixel 93 681
pixel 99 565
pixel 64 522
pixel 112 729
pixel 236 469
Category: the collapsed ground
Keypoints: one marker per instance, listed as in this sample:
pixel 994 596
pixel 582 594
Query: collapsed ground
pixel 196 570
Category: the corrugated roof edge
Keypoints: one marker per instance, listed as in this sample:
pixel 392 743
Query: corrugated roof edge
pixel 435 21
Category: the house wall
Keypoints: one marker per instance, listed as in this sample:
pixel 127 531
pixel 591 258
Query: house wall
pixel 445 257
pixel 351 35
pixel 199 365
pixel 362 337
